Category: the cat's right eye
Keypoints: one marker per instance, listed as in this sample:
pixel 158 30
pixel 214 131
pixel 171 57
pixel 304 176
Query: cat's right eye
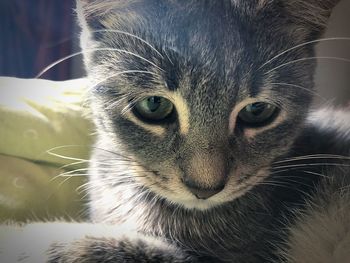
pixel 154 109
pixel 258 114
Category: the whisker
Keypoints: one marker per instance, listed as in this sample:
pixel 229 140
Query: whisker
pixel 119 179
pixel 57 62
pixel 314 156
pixel 64 157
pixel 131 35
pixel 301 45
pixel 130 105
pixel 73 164
pixel 114 102
pixel 301 87
pixel 310 164
pixel 128 98
pixel 76 172
pixel 64 181
pixel 68 174
pixel 81 188
pixel 123 72
pixel 306 59
pixel 112 152
pixel 166 54
pixel 279 184
pixel 90 51
pixel 107 162
pixel 287 185
pixel 295 179
pixel 279 171
pixel 314 173
pixel 86 146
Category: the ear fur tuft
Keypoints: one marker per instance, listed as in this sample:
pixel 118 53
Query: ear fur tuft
pixel 314 13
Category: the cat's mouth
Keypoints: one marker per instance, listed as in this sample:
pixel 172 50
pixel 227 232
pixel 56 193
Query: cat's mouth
pixel 176 192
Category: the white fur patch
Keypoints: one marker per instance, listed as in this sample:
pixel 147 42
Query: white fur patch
pixel 329 119
pixel 322 232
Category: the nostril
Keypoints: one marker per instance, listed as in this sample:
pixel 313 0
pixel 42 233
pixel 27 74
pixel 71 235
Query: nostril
pixel 204 193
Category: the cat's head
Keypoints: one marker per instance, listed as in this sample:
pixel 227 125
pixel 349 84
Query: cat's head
pixel 201 95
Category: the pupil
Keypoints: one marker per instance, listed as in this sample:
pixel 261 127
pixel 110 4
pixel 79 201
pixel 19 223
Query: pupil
pixel 153 103
pixel 257 108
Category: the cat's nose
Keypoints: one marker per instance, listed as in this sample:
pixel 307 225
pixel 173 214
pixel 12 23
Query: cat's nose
pixel 203 193
pixel 205 173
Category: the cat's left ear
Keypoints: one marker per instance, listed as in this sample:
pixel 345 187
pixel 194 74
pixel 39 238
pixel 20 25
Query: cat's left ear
pixel 313 14
pixel 308 16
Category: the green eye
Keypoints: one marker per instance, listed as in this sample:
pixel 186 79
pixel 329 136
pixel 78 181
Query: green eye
pixel 258 113
pixel 154 108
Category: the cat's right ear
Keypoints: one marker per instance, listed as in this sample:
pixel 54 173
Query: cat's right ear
pixel 90 13
pixel 96 14
pixel 91 17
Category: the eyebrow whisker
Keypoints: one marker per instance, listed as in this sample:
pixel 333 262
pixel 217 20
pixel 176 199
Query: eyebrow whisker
pixel 301 45
pixel 306 59
pixel 94 50
pixel 131 35
pixel 300 87
pixel 121 73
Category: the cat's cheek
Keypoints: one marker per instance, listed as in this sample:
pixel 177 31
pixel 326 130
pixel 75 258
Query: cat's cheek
pixel 139 142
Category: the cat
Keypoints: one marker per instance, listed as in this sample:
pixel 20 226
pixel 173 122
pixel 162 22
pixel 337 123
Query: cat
pixel 206 148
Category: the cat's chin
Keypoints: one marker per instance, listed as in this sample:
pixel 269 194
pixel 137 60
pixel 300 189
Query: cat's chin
pixel 196 204
pixel 188 201
pixel 206 204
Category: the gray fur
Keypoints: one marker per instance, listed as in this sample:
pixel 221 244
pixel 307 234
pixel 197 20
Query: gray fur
pixel 214 54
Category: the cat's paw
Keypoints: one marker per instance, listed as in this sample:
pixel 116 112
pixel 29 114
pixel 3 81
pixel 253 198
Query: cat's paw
pixel 68 243
pixel 92 249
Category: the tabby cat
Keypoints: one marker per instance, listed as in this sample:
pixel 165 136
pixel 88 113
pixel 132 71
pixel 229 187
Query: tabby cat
pixel 207 150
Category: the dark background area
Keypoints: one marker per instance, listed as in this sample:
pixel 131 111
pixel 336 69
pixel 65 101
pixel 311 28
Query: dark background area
pixel 36 33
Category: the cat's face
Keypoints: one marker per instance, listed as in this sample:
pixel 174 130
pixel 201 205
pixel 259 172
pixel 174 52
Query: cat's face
pixel 193 93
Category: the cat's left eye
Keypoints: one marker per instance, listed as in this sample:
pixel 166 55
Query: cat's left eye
pixel 154 109
pixel 258 114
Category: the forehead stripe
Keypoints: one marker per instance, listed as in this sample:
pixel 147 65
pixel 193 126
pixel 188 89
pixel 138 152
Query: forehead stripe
pixel 182 110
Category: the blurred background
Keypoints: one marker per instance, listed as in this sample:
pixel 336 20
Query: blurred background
pixel 37 33
pixel 40 116
pixel 332 77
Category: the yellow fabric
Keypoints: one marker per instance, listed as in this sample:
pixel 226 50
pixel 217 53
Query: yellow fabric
pixel 43 129
pixel 31 191
pixel 39 115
